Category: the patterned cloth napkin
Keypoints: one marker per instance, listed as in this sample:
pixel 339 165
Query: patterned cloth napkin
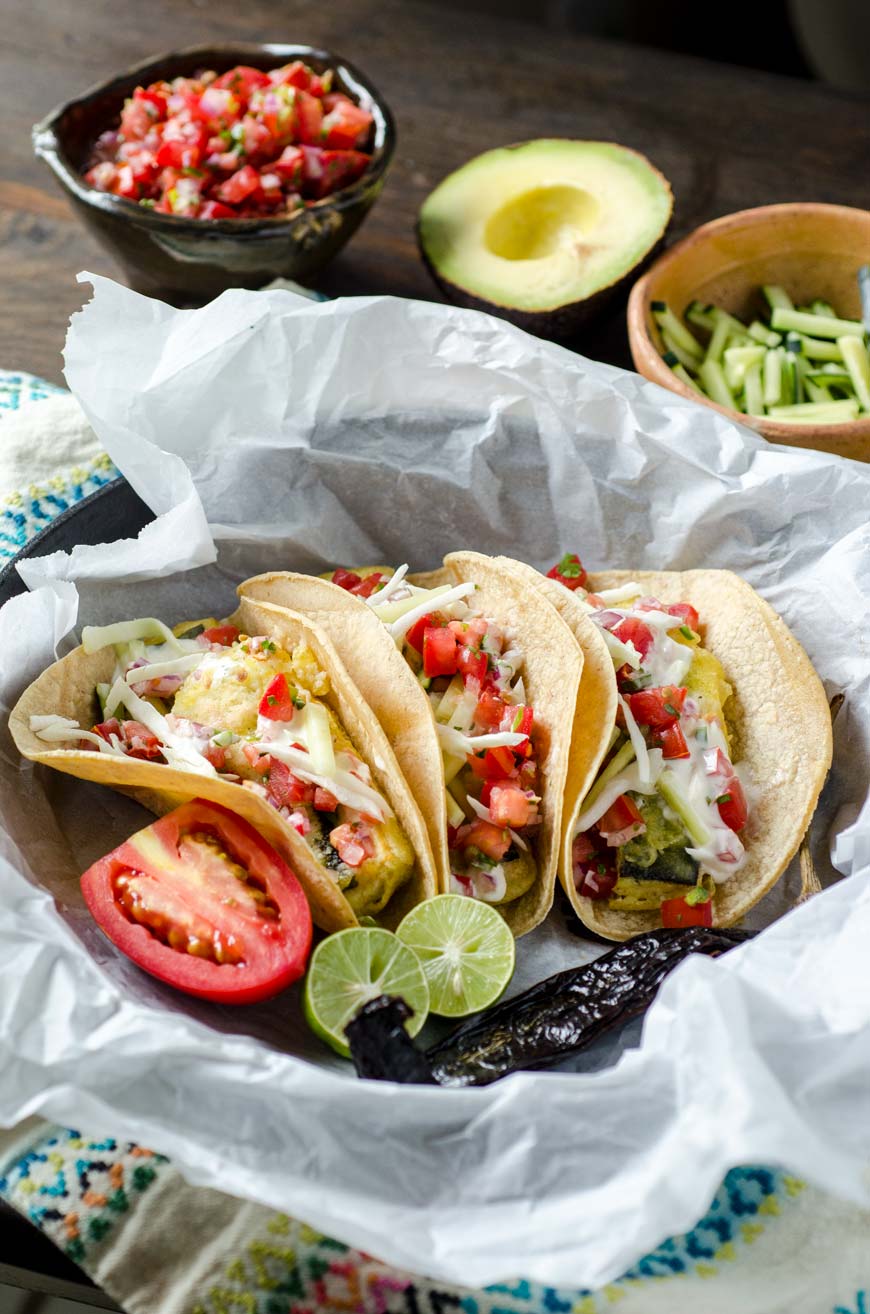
pixel 768 1244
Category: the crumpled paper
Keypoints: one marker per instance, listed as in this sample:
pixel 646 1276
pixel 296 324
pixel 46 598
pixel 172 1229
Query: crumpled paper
pixel 268 432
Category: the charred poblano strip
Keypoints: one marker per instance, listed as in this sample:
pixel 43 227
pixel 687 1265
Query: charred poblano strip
pixel 381 1047
pixel 565 1013
pixel 546 1023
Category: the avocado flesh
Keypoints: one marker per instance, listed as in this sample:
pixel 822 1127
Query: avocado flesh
pixel 528 230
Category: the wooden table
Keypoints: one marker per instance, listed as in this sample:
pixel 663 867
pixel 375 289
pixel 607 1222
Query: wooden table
pixel 727 138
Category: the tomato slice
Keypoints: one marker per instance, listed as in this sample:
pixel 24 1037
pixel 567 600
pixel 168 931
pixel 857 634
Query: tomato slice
pixel 199 900
pixel 493 764
pixel 657 707
pixel 439 651
pixel 276 703
pixel 490 711
pixel 677 912
pixel 569 572
pixel 492 841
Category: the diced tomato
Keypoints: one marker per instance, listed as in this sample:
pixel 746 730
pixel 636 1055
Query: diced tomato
pixel 594 873
pixel 492 841
pixel 296 74
pixel 657 707
pixel 508 805
pixel 183 145
pixel 309 118
pixel 352 843
pixel 242 79
pixel 472 665
pixel 217 210
pixel 216 755
pixel 686 613
pixel 418 629
pixel 260 761
pixel 324 801
pixel 672 742
pixel 277 703
pixel 239 186
pixel 345 125
pixel 622 816
pixel 184 148
pixel 731 799
pixel 289 165
pixel 369 584
pixel 632 630
pixel 439 651
pixel 202 902
pixel 569 572
pixel 222 634
pixel 345 579
pixel 677 912
pixel 106 729
pixel 490 711
pixel 285 789
pixel 523 726
pixel 154 102
pixel 494 764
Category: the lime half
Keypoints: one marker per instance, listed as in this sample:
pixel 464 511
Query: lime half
pixel 350 968
pixel 466 949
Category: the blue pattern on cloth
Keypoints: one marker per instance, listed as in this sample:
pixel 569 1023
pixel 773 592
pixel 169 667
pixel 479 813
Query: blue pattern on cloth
pixel 27 511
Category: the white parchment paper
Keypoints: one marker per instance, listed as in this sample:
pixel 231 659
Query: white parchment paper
pixel 265 432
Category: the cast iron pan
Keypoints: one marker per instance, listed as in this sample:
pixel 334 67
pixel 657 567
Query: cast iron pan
pixel 112 512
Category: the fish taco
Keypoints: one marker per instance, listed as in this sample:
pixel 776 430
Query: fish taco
pixel 258 714
pixel 474 676
pixel 715 759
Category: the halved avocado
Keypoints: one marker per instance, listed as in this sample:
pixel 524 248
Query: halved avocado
pixel 543 232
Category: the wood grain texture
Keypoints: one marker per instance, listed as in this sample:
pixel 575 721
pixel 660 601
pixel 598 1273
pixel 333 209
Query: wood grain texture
pixel 458 84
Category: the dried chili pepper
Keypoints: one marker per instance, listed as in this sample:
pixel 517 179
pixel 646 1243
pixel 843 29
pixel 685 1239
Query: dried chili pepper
pixel 546 1023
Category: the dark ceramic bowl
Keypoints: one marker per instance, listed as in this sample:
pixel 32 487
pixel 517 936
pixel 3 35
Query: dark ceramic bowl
pixel 185 259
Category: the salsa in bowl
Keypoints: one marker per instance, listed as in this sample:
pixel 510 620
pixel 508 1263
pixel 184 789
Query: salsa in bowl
pixel 223 166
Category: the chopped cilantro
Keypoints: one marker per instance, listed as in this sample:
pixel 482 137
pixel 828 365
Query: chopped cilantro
pixel 569 567
pixel 601 869
pixel 518 720
pixel 299 703
pixel 267 645
pixel 670 709
pixel 687 633
pixel 190 172
pixel 724 798
pixel 271 699
pixel 147 202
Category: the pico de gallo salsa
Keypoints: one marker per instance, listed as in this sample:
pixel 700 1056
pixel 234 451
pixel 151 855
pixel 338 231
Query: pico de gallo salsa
pixel 236 145
pixel 471 669
pixel 205 699
pixel 660 827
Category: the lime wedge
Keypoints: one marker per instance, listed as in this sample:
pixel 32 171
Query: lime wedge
pixel 350 968
pixel 466 949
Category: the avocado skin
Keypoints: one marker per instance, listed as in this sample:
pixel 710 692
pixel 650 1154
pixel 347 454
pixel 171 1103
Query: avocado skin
pixel 556 325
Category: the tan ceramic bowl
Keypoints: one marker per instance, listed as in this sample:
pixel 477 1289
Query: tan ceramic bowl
pixel 812 250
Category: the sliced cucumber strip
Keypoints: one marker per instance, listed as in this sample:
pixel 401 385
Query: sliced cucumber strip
pixel 674 348
pixel 772 376
pixel 819 307
pixel 777 297
pixel 820 326
pixel 816 349
pixel 718 340
pixel 858 365
pixel 701 316
pixel 818 411
pixel 713 379
pixel 737 362
pixel 670 325
pixel 685 377
pixel 753 399
pixel 761 333
pixel 815 393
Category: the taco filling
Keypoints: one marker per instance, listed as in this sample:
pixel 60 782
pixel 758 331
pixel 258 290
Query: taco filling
pixel 471 669
pixel 204 698
pixel 660 827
